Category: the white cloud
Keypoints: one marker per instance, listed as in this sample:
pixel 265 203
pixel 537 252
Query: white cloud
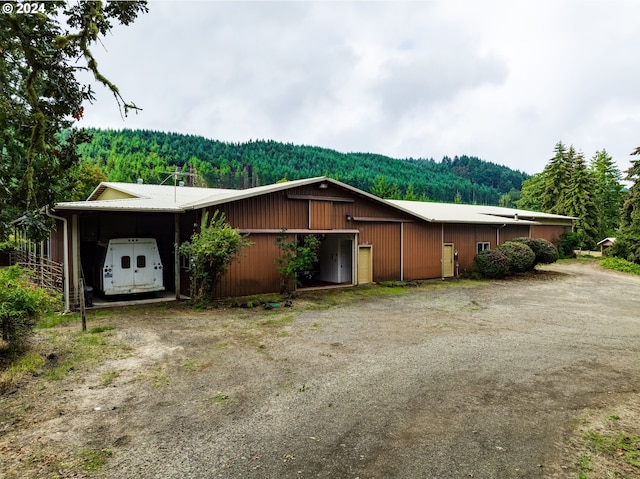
pixel 503 81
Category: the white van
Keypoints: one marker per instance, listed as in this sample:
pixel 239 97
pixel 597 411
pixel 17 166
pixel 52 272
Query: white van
pixel 131 265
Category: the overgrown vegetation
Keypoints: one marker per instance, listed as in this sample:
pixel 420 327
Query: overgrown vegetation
pixel 44 93
pixel 627 244
pixel 21 304
pixel 297 257
pixel 619 264
pixel 211 251
pixel 567 245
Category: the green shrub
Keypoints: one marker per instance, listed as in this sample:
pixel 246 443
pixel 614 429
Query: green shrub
pixel 20 305
pixel 567 244
pixel 626 247
pixel 211 251
pixel 490 264
pixel 297 255
pixel 521 257
pixel 619 264
pixel 545 251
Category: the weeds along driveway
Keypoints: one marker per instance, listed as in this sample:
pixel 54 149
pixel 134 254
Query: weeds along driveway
pixel 450 380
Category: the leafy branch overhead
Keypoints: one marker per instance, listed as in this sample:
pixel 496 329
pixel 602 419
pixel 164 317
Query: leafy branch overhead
pixel 41 95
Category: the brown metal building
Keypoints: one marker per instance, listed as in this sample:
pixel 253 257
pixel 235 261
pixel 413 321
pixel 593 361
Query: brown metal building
pixel 363 238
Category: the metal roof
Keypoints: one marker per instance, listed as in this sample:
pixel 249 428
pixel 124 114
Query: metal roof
pixel 169 198
pixel 177 199
pixel 479 214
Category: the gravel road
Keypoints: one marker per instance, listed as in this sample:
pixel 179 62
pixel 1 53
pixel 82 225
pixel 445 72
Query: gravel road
pixel 447 380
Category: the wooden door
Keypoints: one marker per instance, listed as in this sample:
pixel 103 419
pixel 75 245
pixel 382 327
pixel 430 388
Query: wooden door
pixel 447 261
pixel 365 264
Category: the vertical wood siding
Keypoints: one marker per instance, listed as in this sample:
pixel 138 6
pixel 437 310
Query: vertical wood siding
pixel 510 232
pixel 465 239
pixel 385 239
pixel 549 232
pixel 321 215
pixel 255 271
pixel 271 211
pixel 422 251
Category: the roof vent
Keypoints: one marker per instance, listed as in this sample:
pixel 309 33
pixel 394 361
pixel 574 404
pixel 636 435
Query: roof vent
pixel 140 181
pixel 515 216
pixel 181 183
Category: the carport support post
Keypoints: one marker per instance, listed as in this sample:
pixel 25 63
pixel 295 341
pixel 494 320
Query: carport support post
pixel 176 259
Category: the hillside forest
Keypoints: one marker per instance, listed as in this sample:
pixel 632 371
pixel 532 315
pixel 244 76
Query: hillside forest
pixel 569 185
pixel 126 155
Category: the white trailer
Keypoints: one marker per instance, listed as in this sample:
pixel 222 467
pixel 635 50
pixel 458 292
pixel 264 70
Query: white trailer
pixel 131 265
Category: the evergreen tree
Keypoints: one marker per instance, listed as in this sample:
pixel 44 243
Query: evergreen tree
pixel 608 193
pixel 627 243
pixel 410 194
pixel 556 180
pixel 579 200
pixel 531 194
pixel 384 189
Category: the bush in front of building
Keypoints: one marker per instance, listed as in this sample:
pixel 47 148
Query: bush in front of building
pixel 490 264
pixel 211 252
pixel 521 257
pixel 545 251
pixel 567 245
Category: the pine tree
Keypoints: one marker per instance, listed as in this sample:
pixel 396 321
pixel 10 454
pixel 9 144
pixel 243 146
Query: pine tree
pixel 556 180
pixel 627 243
pixel 531 194
pixel 579 200
pixel 410 194
pixel 608 192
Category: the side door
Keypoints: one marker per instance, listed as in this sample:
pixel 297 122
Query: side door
pixel 447 261
pixel 365 264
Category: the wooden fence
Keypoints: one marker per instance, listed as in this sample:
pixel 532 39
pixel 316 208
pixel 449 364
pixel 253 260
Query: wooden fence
pixel 42 271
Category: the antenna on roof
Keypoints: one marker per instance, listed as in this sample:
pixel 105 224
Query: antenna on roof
pixel 174 175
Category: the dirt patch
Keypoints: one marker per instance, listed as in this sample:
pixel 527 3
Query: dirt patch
pixel 449 379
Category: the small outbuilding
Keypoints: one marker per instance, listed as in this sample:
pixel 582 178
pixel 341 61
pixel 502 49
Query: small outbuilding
pixel 363 238
pixel 606 244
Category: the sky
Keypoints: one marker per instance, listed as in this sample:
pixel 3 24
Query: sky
pixel 504 81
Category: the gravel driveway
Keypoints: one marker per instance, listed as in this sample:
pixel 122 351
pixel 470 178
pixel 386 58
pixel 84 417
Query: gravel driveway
pixel 448 380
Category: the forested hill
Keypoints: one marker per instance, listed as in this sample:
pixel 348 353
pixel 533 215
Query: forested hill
pixel 125 155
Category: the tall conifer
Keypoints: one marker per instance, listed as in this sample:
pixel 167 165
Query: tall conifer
pixel 556 178
pixel 627 243
pixel 608 192
pixel 579 200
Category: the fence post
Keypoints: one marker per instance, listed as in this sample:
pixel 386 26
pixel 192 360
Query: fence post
pixel 82 310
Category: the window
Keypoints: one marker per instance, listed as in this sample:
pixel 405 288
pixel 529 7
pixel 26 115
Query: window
pixel 125 262
pixel 141 261
pixel 483 246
